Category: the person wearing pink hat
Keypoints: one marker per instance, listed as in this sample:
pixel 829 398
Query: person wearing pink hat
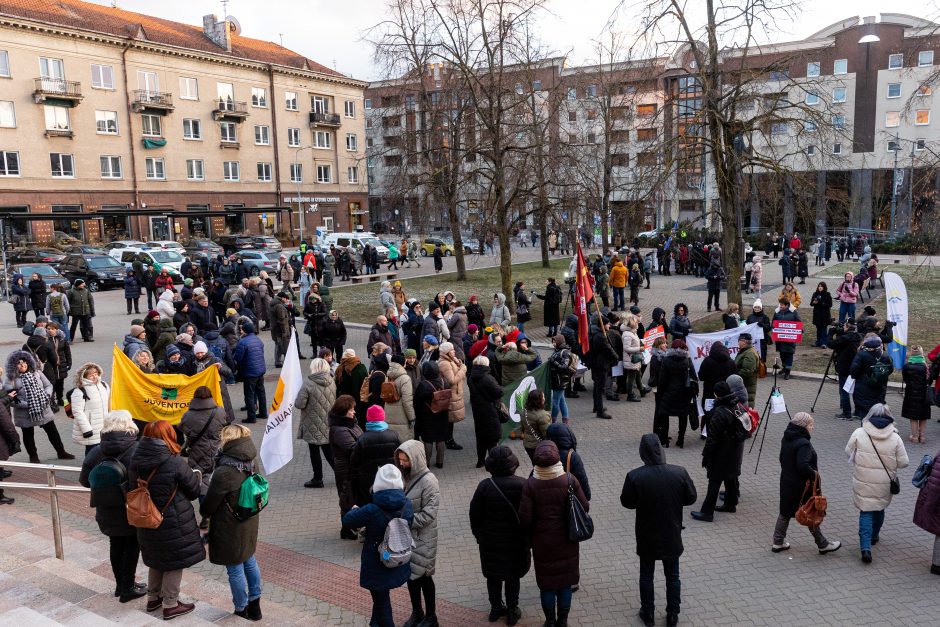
pixel 375 448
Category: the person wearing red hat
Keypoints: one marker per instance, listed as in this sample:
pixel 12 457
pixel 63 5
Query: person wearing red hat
pixel 375 448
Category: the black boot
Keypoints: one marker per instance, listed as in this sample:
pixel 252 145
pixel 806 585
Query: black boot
pixel 496 611
pixel 415 619
pixel 254 610
pixel 549 617
pixel 452 445
pixel 562 617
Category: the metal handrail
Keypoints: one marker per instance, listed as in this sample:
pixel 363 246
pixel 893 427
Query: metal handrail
pixel 53 489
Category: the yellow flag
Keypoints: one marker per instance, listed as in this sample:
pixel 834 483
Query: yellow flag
pixel 152 397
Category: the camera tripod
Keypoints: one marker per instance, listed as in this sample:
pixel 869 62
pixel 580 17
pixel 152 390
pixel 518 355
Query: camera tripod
pixel 764 418
pixel 825 378
pixel 569 298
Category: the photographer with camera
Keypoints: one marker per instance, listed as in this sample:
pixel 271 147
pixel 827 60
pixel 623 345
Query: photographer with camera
pixel 871 368
pixel 844 341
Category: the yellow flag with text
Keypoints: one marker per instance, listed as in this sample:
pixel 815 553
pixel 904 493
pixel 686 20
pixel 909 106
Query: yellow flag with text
pixel 152 397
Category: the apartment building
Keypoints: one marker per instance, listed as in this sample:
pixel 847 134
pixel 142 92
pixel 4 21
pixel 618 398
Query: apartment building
pixel 849 132
pixel 121 125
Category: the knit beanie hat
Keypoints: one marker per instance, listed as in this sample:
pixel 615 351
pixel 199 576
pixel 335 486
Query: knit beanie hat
pixel 873 342
pixel 375 413
pixel 136 330
pixel 558 341
pixel 185 338
pixel 388 477
pixel 802 419
pixel 172 350
pixel 430 339
pixel 410 352
pixel 153 313
pixel 188 282
pixel 758 304
pixel 679 344
pixel 200 347
pixel 472 328
pixel 228 312
pixel 446 347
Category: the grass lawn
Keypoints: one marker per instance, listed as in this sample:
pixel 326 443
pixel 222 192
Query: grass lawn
pixel 360 303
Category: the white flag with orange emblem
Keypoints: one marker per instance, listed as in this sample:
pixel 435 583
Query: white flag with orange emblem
pixel 277 445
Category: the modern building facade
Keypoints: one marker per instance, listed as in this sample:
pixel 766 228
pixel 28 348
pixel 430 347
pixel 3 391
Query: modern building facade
pixel 121 125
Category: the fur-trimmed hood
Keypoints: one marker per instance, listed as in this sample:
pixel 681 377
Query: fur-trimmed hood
pixel 79 378
pixel 14 358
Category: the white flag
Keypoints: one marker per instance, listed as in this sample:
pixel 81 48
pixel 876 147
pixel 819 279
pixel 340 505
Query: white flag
pixel 277 445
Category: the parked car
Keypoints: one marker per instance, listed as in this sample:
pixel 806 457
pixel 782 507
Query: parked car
pixel 170 259
pixel 653 233
pixel 50 276
pixel 85 249
pixel 266 242
pixel 257 260
pixel 429 243
pixel 35 255
pixel 231 244
pixel 197 249
pixel 166 244
pixel 357 242
pixel 116 247
pixel 98 271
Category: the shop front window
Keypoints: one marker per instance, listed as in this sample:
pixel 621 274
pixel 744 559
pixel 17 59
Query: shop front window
pixel 69 226
pixel 234 222
pixel 16 228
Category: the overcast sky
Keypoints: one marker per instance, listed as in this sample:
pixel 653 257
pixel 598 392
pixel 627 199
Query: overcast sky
pixel 332 32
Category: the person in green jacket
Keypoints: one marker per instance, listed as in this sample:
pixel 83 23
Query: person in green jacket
pixel 392 256
pixel 82 310
pixel 513 362
pixel 748 364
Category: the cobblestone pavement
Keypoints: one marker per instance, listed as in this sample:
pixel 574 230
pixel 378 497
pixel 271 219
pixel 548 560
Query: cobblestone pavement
pixel 729 574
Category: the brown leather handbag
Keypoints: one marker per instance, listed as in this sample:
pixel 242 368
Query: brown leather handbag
pixel 813 509
pixel 141 511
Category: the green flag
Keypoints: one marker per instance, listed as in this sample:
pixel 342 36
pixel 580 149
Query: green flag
pixel 517 392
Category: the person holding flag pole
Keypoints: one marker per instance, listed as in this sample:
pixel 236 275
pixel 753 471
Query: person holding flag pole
pixel 277 445
pixel 602 357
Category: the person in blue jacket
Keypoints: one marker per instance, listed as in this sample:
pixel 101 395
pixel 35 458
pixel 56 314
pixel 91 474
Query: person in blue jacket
pixel 250 367
pixel 388 502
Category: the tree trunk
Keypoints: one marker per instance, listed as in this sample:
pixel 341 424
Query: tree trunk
pixel 454 220
pixel 543 239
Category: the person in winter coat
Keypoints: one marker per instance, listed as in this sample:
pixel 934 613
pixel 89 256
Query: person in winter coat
pixel 202 426
pixel 37 294
pixel 717 366
pixel 747 365
pixel 500 314
pixel 552 298
pixel 821 302
pixel 680 326
pixel 82 310
pixel 847 293
pixel 485 398
pixel 757 275
pixel 658 491
pixel 505 556
pixel 786 311
pixel 31 407
pixel 165 305
pixel 454 373
pixel 632 359
pixel 165 339
pixel 475 314
pixel 618 281
pixel 174 362
pixel 374 448
pixel 871 369
pixel 349 377
pixel 543 514
pixel 720 455
pixel 22 304
pixel 677 387
pixel 564 438
pixel 344 432
pixel 118 442
pixel 315 399
pixel 792 294
pixel 400 416
pixel 877 453
pixel 249 360
pixel 916 408
pixel 523 303
pixel 422 488
pixel 535 422
pixel 175 544
pixel 797 468
pixel 135 340
pixel 513 361
pixel 333 333
pixel 431 427
pixel 9 438
pixel 91 401
pixel 232 542
pixel 63 351
pixel 388 501
pixel 152 327
pixel 927 512
pixel 44 351
pixel 758 316
pixel 132 291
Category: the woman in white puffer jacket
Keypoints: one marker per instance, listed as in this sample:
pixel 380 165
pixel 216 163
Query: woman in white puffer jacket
pixel 877 453
pixel 91 400
pixel 165 305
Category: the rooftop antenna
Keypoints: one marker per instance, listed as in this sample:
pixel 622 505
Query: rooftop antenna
pixel 281 35
pixel 225 9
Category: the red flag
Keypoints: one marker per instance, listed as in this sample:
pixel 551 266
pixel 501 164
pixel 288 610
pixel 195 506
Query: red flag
pixel 584 291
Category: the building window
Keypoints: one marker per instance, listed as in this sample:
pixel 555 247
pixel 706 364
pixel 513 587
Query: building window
pixel 894 90
pixel 156 169
pixel 5 66
pixel 226 93
pixel 646 110
pixel 812 69
pixel 892 146
pixel 290 100
pixel 349 108
pixel 895 61
pixel 296 173
pixel 592 138
pixel 231 171
pixel 9 163
pixel 195 170
pixel 572 138
pixel 921 117
pixel 293 137
pixel 572 93
pixel 322 139
pixel 809 126
pixel 645 134
pixel 838 94
pixel 229 132
pixel 923 90
pixel 53 71
pixel 572 116
pixel 324 174
pixel 838 122
pixel 264 172
pixel 812 98
pixel 189 88
pixel 106 122
pixel 262 135
pixel 110 167
pixel 810 150
pixel 151 125
pixel 7 114
pixel 320 104
pixel 367 103
pixel 352 142
pixel 536 85
pixel 518 88
pixel 892 119
pixel 837 149
pixel 102 76
pixel 57 118
pixel 646 159
pixel 369 123
pixel 779 128
pixel 924 58
pixel 369 142
pixel 63 166
pixel 591 91
pixel 259 97
pixel 840 66
pixel 192 129
pixel 352 174
pixel 920 145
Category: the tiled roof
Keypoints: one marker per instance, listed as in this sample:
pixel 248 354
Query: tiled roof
pixel 113 21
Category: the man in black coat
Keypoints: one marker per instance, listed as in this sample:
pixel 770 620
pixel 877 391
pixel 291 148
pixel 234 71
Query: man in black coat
pixel 658 491
pixel 870 368
pixel 720 454
pixel 485 396
pixel 603 358
pixel 844 344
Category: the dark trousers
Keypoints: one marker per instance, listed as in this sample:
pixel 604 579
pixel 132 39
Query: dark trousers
pixel 21 317
pixel 280 350
pixel 87 329
pixel 124 555
pixel 661 426
pixel 381 609
pixel 673 585
pixel 494 589
pixel 40 310
pixel 714 487
pixel 422 585
pixel 714 295
pixel 151 298
pixel 255 398
pixel 315 458
pixel 135 302
pixel 483 447
pixel 845 399
pixel 58 391
pixel 599 376
pixel 29 439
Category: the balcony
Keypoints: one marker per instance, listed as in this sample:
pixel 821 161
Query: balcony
pixel 331 120
pixel 229 110
pixel 57 91
pixel 60 132
pixel 152 101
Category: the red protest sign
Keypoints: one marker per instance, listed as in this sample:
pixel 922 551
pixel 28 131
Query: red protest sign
pixel 650 336
pixel 787 331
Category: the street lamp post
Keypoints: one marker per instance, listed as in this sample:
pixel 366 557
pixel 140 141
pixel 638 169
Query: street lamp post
pixel 297 179
pixel 894 183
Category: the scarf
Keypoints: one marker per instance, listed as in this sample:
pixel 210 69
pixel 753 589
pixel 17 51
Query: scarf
pixel 376 426
pixel 917 359
pixel 221 459
pixel 347 364
pixel 549 472
pixel 36 398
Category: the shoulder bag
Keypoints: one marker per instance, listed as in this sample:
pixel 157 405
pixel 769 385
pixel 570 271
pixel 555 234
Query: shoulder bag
pixel 141 510
pixel 813 509
pixel 188 446
pixel 440 399
pixel 580 525
pixel 895 482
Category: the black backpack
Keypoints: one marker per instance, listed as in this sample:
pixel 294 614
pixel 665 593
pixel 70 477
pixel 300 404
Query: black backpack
pixel 879 373
pixel 108 482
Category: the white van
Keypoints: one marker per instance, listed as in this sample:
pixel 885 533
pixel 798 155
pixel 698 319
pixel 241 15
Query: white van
pixel 358 241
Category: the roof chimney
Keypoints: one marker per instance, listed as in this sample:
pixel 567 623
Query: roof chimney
pixel 869 19
pixel 217 31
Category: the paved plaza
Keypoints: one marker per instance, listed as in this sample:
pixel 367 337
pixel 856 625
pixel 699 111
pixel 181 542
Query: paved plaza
pixel 729 575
